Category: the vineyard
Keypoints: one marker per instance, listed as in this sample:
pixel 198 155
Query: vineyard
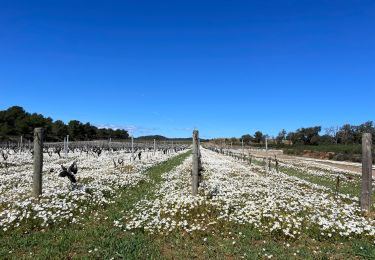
pixel 187 130
pixel 135 201
pixel 102 170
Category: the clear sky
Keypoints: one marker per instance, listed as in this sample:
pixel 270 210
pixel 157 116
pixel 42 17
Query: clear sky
pixel 164 67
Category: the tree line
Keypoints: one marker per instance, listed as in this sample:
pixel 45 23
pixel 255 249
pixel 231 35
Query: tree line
pixel 16 122
pixel 346 134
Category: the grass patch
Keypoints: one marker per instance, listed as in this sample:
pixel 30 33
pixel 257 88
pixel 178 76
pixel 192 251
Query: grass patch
pixel 352 188
pixel 234 241
pixel 97 237
pixel 340 152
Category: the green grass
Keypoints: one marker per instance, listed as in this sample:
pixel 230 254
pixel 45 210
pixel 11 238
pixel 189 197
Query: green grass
pixel 341 152
pixel 352 187
pixel 75 241
pixel 345 187
pixel 253 244
pixel 250 243
pixel 98 232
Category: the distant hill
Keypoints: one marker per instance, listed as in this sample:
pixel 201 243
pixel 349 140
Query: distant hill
pixel 152 137
pixel 163 138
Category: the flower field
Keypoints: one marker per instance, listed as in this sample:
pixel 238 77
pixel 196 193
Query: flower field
pixel 62 202
pixel 144 209
pixel 232 191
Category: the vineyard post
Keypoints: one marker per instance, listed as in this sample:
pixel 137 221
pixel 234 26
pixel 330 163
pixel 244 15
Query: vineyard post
pixel 132 148
pixel 21 142
pixel 38 162
pixel 266 144
pixel 195 169
pixel 243 155
pixel 265 164
pixel 154 147
pixel 337 184
pixel 67 144
pixel 269 163
pixel 366 172
pixel 276 164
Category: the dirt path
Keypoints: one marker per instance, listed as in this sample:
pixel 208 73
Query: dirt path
pixel 348 166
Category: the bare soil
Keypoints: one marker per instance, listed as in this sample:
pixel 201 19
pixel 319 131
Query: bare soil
pixel 349 166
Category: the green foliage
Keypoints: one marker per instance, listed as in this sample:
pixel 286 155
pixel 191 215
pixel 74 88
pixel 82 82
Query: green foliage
pixel 246 138
pixel 340 152
pixel 152 137
pixel 15 121
pixel 281 136
pixel 97 238
pixel 305 136
pixel 347 134
pixel 258 137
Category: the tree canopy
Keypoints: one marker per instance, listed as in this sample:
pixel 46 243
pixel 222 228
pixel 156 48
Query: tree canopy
pixel 15 122
pixel 346 134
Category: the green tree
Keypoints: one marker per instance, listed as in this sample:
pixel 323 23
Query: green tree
pixel 5 130
pixel 59 130
pixel 234 140
pixel 246 138
pixel 258 137
pixel 367 127
pixel 308 135
pixel 15 121
pixel 281 136
pixel 292 137
pixel 75 129
pixel 90 131
pixel 346 134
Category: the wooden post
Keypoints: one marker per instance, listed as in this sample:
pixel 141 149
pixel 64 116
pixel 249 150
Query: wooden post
pixel 199 160
pixel 38 162
pixel 132 149
pixel 67 143
pixel 266 144
pixel 337 184
pixel 265 164
pixel 243 155
pixel 269 163
pixel 276 164
pixel 366 172
pixel 154 147
pixel 195 169
pixel 65 146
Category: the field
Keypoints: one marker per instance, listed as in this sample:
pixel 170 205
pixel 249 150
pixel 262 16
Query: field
pixel 144 209
pixel 101 175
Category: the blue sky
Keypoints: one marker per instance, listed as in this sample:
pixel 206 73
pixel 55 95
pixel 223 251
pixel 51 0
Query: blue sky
pixel 164 67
